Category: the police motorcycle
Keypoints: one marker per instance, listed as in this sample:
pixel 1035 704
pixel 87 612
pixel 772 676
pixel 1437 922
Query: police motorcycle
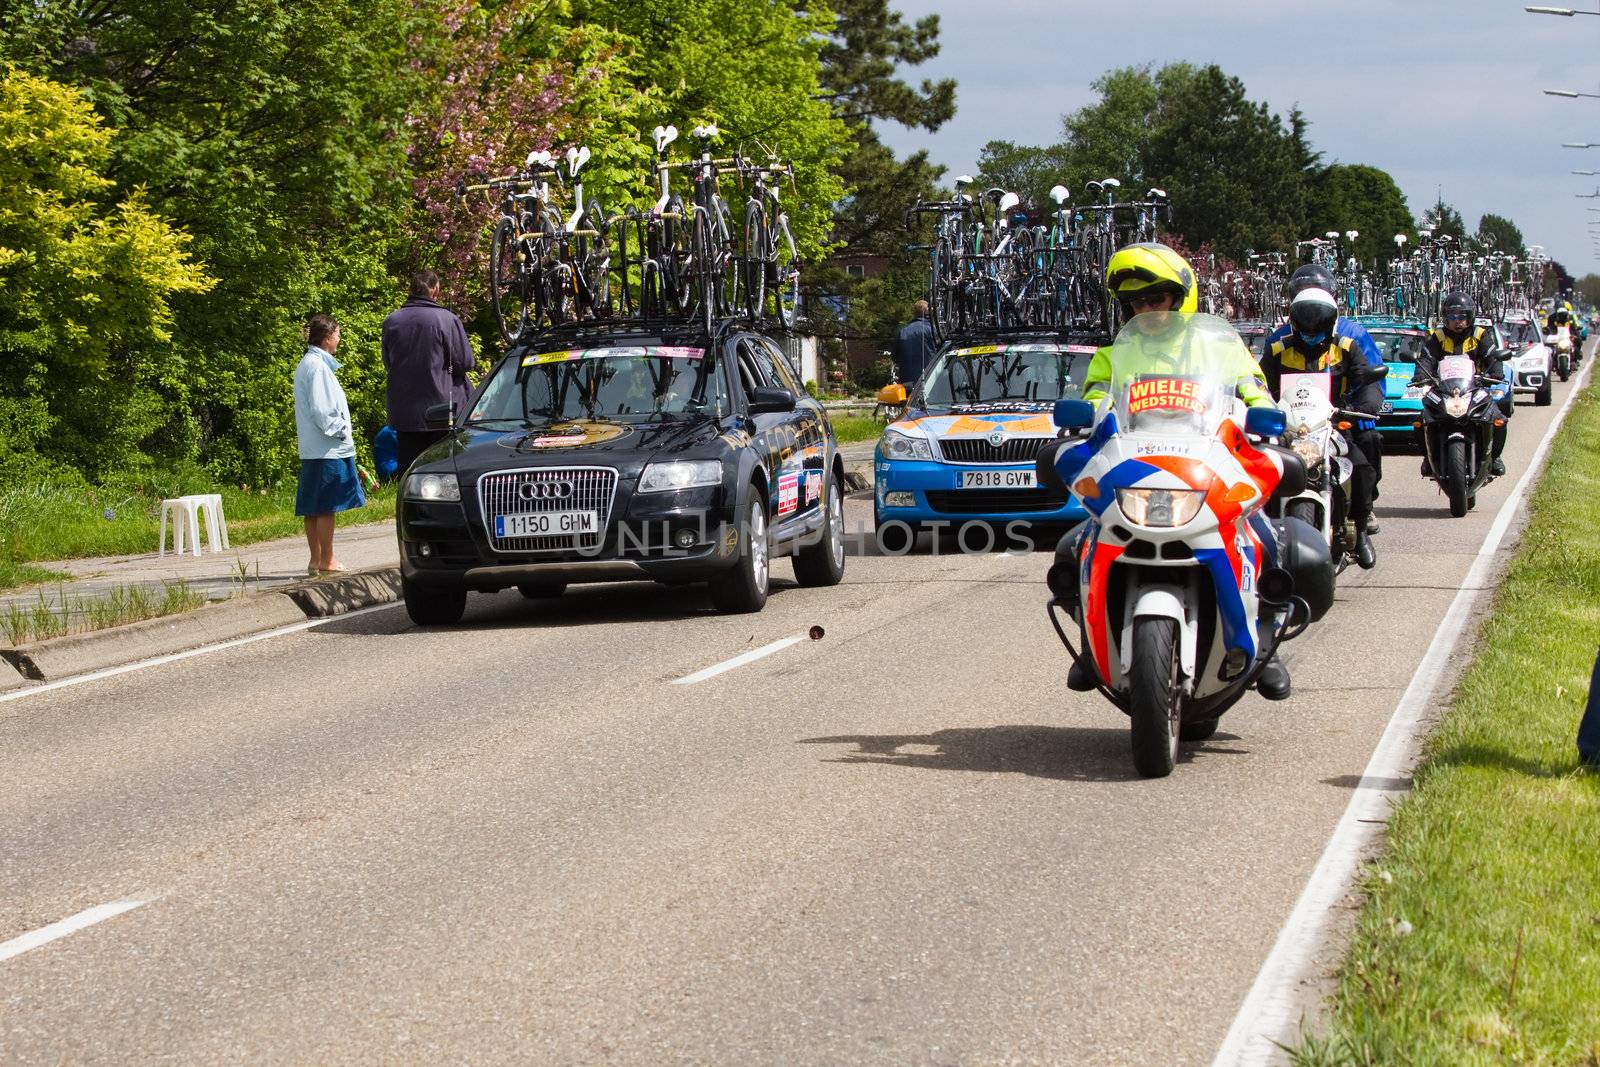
pixel 1459 414
pixel 1313 432
pixel 1178 589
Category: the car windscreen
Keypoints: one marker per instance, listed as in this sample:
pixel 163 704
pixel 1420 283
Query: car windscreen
pixel 623 382
pixel 1399 346
pixel 1520 333
pixel 979 374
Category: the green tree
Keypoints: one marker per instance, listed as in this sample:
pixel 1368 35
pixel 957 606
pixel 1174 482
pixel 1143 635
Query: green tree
pixel 1443 220
pixel 1352 196
pixel 1588 287
pixel 1030 171
pixel 86 284
pixel 1497 233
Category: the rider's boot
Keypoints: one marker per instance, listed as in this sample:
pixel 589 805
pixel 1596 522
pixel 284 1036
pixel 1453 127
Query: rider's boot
pixel 1273 681
pixel 1366 554
pixel 1080 678
pixel 1372 526
pixel 1496 466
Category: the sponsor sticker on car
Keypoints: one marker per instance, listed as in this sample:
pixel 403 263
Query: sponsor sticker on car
pixel 788 493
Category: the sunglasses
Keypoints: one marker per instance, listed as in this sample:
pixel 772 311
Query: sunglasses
pixel 1157 301
pixel 1457 318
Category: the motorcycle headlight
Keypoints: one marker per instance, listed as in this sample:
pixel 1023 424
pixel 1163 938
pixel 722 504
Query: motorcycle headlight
pixel 433 487
pixel 680 474
pixel 1456 406
pixel 1160 507
pixel 897 445
pixel 1308 450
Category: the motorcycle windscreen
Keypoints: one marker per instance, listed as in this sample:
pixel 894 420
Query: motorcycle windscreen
pixel 1176 374
pixel 1457 371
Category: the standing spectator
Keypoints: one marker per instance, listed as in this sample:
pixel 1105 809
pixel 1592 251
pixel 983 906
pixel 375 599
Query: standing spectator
pixel 915 345
pixel 427 355
pixel 328 479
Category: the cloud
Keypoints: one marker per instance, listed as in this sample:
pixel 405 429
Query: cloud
pixel 1439 93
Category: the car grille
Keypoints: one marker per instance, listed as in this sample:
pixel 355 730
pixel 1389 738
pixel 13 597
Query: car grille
pixel 979 450
pixel 592 490
pixel 994 501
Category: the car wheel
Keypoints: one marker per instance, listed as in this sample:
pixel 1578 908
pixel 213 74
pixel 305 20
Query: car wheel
pixel 896 537
pixel 541 590
pixel 742 588
pixel 823 563
pixel 1542 397
pixel 433 607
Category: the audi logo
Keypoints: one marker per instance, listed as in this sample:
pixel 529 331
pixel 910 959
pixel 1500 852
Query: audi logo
pixel 544 491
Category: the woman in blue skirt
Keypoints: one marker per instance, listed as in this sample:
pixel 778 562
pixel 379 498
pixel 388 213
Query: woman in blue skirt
pixel 328 479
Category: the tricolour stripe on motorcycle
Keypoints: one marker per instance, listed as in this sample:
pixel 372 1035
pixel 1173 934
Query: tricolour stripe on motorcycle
pixel 1101 557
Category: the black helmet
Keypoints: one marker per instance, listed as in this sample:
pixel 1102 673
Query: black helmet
pixel 1312 312
pixel 1310 276
pixel 1560 318
pixel 1458 303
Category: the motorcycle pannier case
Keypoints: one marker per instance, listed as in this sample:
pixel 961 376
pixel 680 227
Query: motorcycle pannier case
pixel 1304 554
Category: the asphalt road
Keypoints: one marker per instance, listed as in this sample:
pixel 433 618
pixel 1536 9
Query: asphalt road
pixel 519 841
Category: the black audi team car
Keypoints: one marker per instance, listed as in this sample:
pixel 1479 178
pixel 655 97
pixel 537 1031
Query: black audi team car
pixel 603 454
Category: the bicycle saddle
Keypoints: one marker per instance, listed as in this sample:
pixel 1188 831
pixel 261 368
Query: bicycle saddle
pixel 704 133
pixel 665 135
pixel 994 193
pixel 576 158
pixel 1110 183
pixel 1156 194
pixel 1009 201
pixel 541 158
pixel 1059 194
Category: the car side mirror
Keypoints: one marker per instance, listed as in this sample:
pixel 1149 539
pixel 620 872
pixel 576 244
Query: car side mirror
pixel 1264 422
pixel 892 395
pixel 1073 414
pixel 767 400
pixel 439 416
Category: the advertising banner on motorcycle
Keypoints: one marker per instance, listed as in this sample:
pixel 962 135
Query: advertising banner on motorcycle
pixel 1165 394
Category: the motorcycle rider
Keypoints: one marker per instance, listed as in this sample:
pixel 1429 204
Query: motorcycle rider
pixel 1312 347
pixel 1458 336
pixel 1563 328
pixel 1149 282
pixel 1367 438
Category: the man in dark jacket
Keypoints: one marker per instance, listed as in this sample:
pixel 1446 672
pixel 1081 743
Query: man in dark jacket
pixel 1460 336
pixel 915 345
pixel 427 355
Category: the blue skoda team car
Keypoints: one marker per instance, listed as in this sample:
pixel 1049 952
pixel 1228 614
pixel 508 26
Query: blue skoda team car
pixel 964 451
pixel 1399 340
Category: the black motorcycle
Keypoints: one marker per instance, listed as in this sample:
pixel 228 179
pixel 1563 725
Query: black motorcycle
pixel 1459 413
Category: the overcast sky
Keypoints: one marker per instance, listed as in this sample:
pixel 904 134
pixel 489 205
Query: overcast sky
pixel 1439 93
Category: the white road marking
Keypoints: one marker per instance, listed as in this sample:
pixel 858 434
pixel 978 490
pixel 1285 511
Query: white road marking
pixel 72 924
pixel 737 661
pixel 156 661
pixel 1269 1015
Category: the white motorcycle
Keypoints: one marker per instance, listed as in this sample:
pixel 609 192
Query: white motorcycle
pixel 1179 587
pixel 1313 426
pixel 1560 345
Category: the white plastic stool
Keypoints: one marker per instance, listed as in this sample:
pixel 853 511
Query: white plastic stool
pixel 184 512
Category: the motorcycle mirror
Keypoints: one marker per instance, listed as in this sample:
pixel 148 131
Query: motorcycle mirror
pixel 1075 414
pixel 1262 422
pixel 892 395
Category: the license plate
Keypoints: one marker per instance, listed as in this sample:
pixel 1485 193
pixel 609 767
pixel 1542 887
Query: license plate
pixel 548 524
pixel 1387 409
pixel 998 480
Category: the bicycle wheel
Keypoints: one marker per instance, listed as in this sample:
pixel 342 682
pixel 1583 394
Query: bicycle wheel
pixel 508 289
pixel 702 259
pixel 783 276
pixel 754 262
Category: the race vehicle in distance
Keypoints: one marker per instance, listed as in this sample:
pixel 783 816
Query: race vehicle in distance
pixel 1399 341
pixel 1529 358
pixel 964 451
pixel 598 453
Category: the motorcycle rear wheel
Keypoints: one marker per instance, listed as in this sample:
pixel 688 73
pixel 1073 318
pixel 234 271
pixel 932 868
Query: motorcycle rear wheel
pixel 1455 476
pixel 1155 697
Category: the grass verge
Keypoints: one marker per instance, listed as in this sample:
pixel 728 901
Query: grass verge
pixel 40 521
pixel 848 428
pixel 21 623
pixel 1478 941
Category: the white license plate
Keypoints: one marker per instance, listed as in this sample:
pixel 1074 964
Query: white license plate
pixel 548 524
pixel 998 480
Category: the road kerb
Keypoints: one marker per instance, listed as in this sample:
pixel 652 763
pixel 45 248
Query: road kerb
pixel 76 654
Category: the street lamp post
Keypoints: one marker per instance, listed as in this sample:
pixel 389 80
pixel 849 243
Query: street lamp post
pixel 1564 12
pixel 1570 94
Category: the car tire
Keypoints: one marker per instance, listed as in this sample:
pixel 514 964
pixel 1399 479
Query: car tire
pixel 822 564
pixel 742 588
pixel 433 607
pixel 895 537
pixel 541 590
pixel 1541 398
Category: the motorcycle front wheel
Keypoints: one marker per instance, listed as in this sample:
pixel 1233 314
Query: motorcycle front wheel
pixel 1155 697
pixel 1455 476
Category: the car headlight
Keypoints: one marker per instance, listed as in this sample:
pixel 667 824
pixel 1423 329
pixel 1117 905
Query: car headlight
pixel 680 474
pixel 1456 406
pixel 1160 507
pixel 432 487
pixel 897 445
